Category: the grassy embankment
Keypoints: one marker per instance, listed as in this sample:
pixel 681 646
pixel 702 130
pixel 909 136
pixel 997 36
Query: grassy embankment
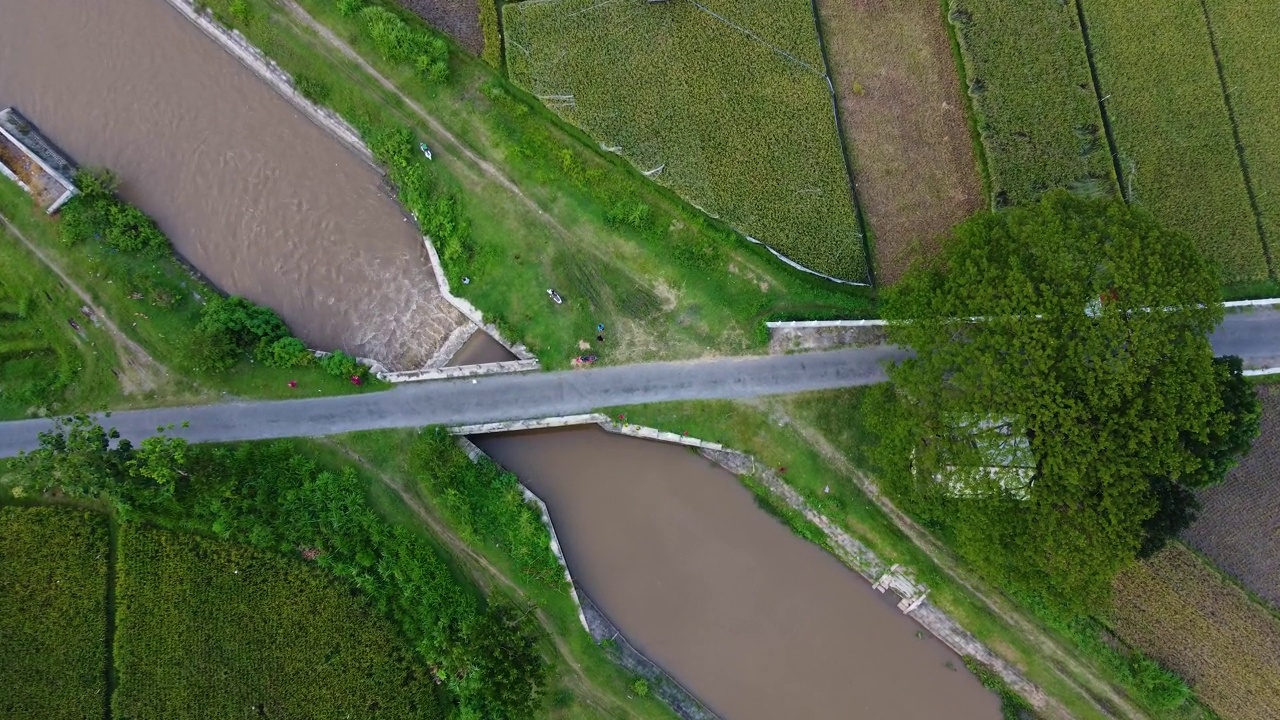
pixel 156 302
pixel 903 115
pixel 46 366
pixel 732 110
pixel 819 438
pixel 586 682
pixel 208 628
pixel 53 617
pixel 1033 97
pixel 1173 132
pixel 666 281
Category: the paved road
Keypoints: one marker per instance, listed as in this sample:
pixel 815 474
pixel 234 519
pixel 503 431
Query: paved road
pixel 490 399
pixel 1254 335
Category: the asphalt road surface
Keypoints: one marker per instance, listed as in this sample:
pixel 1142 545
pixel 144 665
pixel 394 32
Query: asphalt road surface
pixel 1252 334
pixel 493 398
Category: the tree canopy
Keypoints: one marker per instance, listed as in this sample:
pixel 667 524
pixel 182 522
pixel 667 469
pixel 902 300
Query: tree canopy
pixel 1078 328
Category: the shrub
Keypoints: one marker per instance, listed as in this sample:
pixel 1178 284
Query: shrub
pixel 397 42
pixel 130 230
pixel 640 688
pixel 243 321
pixel 209 350
pixel 350 8
pixel 340 364
pixel 286 352
pixel 1159 688
pixel 313 89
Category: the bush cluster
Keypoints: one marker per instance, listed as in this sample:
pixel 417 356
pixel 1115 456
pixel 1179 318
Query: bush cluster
pixel 96 214
pixel 437 210
pixel 487 503
pixel 398 42
pixel 233 326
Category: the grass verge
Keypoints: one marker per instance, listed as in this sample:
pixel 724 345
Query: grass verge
pixel 53 580
pixel 46 364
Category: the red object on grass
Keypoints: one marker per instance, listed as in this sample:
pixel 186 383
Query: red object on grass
pixel 293 383
pixel 355 380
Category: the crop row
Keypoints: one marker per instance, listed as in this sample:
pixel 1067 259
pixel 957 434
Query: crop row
pixel 1237 527
pixel 714 113
pixel 1033 97
pixel 1175 608
pixel 53 618
pixel 1248 35
pixel 1171 125
pixel 210 629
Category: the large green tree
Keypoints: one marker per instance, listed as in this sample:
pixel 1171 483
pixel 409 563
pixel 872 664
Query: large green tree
pixel 1079 329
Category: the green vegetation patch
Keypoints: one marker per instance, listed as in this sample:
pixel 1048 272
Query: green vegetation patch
pixel 53 615
pixel 211 629
pixel 47 364
pixel 1171 126
pixel 1248 39
pixel 731 110
pixel 1033 96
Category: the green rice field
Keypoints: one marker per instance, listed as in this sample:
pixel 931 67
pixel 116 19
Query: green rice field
pixel 1155 62
pixel 1248 38
pixel 727 104
pixel 53 616
pixel 1033 97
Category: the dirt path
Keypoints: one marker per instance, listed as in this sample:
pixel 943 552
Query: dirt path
pixel 139 372
pixel 1058 657
pixel 486 575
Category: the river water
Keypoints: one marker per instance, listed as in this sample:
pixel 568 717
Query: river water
pixel 252 193
pixel 754 621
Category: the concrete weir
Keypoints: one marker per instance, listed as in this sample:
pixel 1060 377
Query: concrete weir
pixel 28 158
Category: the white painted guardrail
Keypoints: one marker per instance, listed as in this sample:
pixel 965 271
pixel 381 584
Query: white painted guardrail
pixel 875 322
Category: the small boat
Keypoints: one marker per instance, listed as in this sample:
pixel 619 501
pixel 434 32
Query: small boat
pixel 555 296
pixel 425 150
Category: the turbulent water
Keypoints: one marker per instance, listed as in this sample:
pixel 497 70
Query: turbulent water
pixel 258 198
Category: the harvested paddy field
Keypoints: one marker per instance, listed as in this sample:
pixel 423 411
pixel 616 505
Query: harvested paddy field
pixel 1239 527
pixel 1172 127
pixel 53 615
pixel 1033 97
pixel 904 119
pixel 459 19
pixel 1177 609
pixel 730 107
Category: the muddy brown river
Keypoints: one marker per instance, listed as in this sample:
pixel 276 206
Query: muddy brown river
pixel 754 621
pixel 258 198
